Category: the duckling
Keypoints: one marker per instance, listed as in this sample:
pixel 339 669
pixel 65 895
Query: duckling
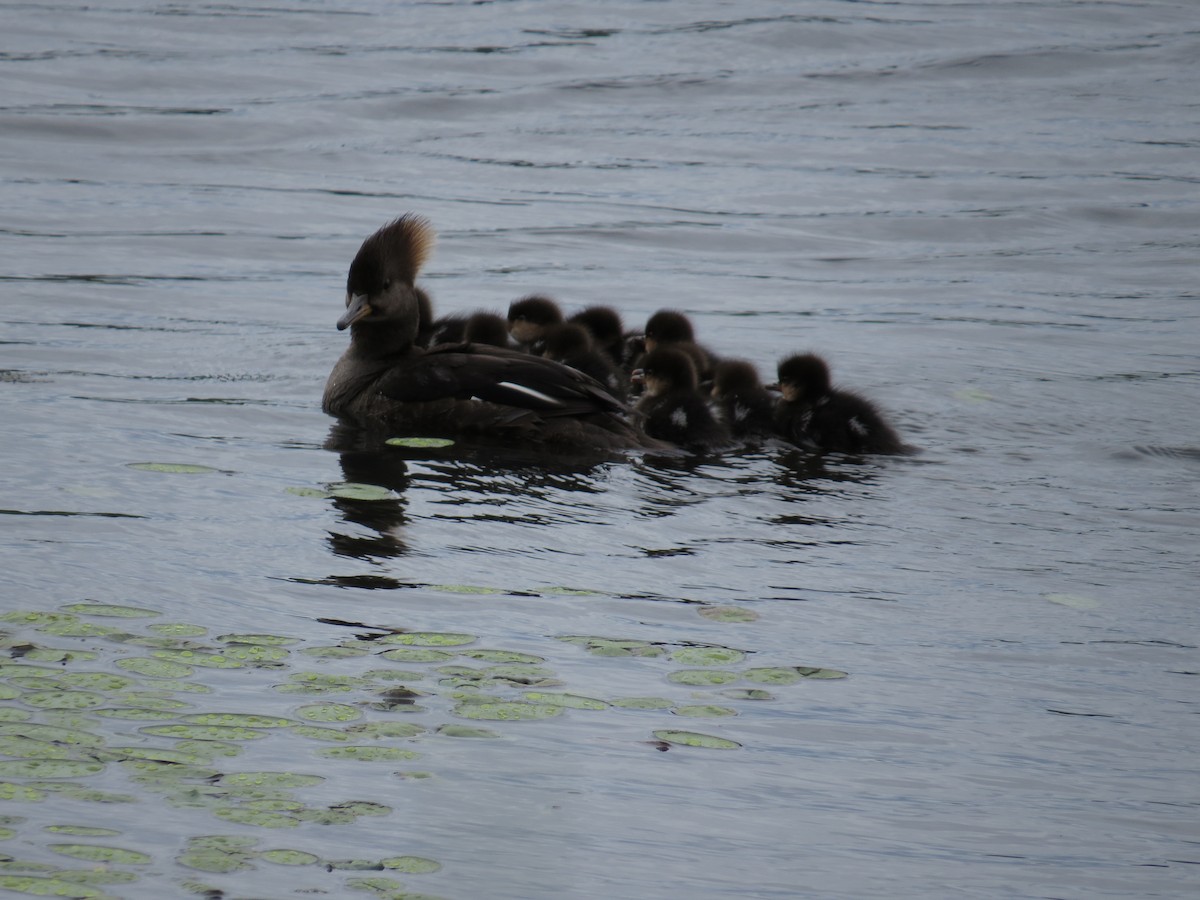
pixel 670 328
pixel 384 381
pixel 604 324
pixel 486 328
pixel 529 317
pixel 673 407
pixel 814 414
pixel 743 404
pixel 571 345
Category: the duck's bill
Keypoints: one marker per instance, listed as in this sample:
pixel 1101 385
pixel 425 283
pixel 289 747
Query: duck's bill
pixel 356 309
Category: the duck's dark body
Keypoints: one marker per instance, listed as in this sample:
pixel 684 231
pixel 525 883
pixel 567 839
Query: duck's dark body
pixel 384 381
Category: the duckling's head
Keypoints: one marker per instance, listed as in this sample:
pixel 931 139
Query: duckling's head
pixel 668 326
pixel 732 377
pixel 803 376
pixel 603 323
pixel 563 340
pixel 486 328
pixel 380 288
pixel 666 369
pixel 530 316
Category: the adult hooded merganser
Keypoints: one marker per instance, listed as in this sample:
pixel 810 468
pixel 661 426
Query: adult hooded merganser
pixel 743 404
pixel 673 407
pixel 385 381
pixel 814 414
pixel 571 345
pixel 669 328
pixel 604 324
pixel 529 317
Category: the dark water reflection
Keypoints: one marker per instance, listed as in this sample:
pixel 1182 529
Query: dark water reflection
pixel 983 214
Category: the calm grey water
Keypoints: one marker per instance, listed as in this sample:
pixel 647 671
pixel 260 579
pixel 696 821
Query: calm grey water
pixel 985 214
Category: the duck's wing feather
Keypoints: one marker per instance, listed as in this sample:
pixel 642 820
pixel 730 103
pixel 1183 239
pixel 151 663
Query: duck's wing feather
pixel 496 375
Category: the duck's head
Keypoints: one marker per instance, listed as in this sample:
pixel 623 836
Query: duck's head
pixel 380 288
pixel 666 369
pixel 530 316
pixel 803 377
pixel 668 326
pixel 732 377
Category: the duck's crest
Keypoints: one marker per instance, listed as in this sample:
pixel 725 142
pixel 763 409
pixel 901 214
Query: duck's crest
pixel 406 243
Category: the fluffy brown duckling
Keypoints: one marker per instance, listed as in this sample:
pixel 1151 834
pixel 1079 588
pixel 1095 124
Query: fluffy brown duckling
pixel 529 317
pixel 384 381
pixel 743 404
pixel 673 408
pixel 812 413
pixel 604 324
pixel 671 328
pixel 571 345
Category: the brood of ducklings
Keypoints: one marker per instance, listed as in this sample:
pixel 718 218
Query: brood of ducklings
pixel 385 381
pixel 486 328
pixel 670 328
pixel 673 408
pixel 743 404
pixel 604 324
pixel 571 345
pixel 529 317
pixel 812 413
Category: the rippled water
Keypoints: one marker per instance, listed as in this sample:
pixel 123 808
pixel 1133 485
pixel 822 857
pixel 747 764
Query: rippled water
pixel 985 215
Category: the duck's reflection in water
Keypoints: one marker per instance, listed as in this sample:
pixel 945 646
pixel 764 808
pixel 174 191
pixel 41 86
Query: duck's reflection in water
pixel 365 461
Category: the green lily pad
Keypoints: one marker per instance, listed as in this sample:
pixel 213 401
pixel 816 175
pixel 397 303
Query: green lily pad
pixel 695 739
pixel 571 701
pixel 707 656
pixel 273 780
pixel 702 677
pixel 351 490
pixel 1073 601
pixel 747 694
pixel 416 654
pixel 329 712
pixel 178 630
pixel 259 817
pixel 509 711
pixel 172 468
pixel 48 768
pixel 51 887
pixel 64 699
pixel 316 733
pixel 16 745
pixel 195 658
pixel 247 720
pixel 19 793
pixel 82 830
pixel 52 733
pixel 96 681
pixel 704 711
pixel 465 731
pixel 387 730
pixel 154 667
pixel 503 656
pixel 789 674
pixel 372 753
pixel 336 652
pixel 111 610
pixel 600 646
pixel 420 443
pixel 205 732
pixel 289 857
pixel 728 614
pixel 466 589
pixel 644 703
pixel 412 865
pixel 429 639
pixel 100 854
pixel 135 714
